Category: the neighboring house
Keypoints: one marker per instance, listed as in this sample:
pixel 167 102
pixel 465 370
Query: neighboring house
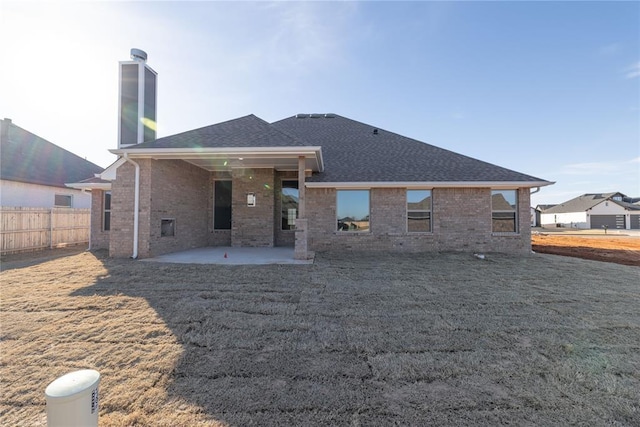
pixel 536 214
pixel 595 210
pixel 312 181
pixel 33 171
pixel 533 216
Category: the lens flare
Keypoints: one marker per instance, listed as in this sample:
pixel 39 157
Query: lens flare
pixel 149 123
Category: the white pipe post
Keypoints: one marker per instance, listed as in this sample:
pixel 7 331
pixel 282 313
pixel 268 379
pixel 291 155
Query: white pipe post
pixel 136 204
pixel 73 400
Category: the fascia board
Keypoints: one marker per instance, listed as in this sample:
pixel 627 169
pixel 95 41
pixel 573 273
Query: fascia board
pixel 222 152
pixel 89 186
pixel 431 184
pixel 154 152
pixel 109 173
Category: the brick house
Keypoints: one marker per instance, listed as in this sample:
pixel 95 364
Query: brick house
pixel 315 182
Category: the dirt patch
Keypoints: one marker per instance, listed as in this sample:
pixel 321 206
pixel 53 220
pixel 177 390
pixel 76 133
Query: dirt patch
pixel 354 339
pixel 618 249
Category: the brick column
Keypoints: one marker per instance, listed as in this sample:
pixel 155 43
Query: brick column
pixel 301 190
pixel 300 251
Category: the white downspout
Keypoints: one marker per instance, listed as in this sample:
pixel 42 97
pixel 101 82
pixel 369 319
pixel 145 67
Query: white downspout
pixel 136 203
pixel 530 193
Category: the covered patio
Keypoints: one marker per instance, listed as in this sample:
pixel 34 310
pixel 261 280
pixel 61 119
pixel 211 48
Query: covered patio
pixel 226 255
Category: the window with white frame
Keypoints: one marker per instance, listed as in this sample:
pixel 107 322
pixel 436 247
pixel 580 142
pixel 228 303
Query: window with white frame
pixel 353 210
pixel 504 211
pixel 106 211
pixel 418 211
pixel 63 200
pixel 289 204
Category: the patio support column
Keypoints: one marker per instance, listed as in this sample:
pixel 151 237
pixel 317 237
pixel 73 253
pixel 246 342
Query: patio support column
pixel 301 250
pixel 301 189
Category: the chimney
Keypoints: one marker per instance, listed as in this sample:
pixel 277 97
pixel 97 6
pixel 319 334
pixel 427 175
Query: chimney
pixel 137 101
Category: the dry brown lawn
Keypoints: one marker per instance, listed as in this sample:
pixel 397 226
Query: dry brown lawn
pixel 354 339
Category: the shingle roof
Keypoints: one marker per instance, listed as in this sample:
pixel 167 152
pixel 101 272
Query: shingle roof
pixel 26 157
pixel 94 180
pixel 353 153
pixel 544 207
pixel 247 131
pixel 587 201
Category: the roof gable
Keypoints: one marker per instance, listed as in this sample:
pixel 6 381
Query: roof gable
pixel 247 131
pixel 29 158
pixel 582 203
pixel 358 152
pixel 347 152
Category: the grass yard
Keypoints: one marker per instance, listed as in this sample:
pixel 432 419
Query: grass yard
pixel 354 339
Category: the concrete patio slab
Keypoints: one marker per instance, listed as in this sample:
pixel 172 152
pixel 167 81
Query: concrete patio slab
pixel 225 255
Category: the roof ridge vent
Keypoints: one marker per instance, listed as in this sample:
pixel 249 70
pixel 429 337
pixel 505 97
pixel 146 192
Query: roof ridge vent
pixel 315 116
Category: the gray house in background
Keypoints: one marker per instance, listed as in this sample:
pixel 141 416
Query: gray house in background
pixel 313 181
pixel 33 171
pixel 595 211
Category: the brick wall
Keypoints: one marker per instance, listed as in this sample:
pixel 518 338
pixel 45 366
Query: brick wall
pixel 179 191
pixel 169 189
pixel 253 226
pixel 121 234
pixel 99 237
pixel 461 221
pixel 461 218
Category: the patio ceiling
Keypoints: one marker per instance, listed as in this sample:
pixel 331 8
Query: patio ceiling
pixel 222 159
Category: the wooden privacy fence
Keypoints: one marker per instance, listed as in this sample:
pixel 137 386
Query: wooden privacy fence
pixel 24 229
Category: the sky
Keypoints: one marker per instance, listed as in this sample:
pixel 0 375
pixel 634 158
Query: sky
pixel 551 89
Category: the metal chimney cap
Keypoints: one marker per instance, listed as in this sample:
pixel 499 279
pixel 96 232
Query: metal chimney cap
pixel 138 55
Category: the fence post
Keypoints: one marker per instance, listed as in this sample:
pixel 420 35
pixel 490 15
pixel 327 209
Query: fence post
pixel 51 229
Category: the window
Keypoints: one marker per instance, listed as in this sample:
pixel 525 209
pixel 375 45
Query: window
pixel 167 227
pixel 106 211
pixel 289 204
pixel 353 210
pixel 222 205
pixel 504 208
pixel 418 211
pixel 62 200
